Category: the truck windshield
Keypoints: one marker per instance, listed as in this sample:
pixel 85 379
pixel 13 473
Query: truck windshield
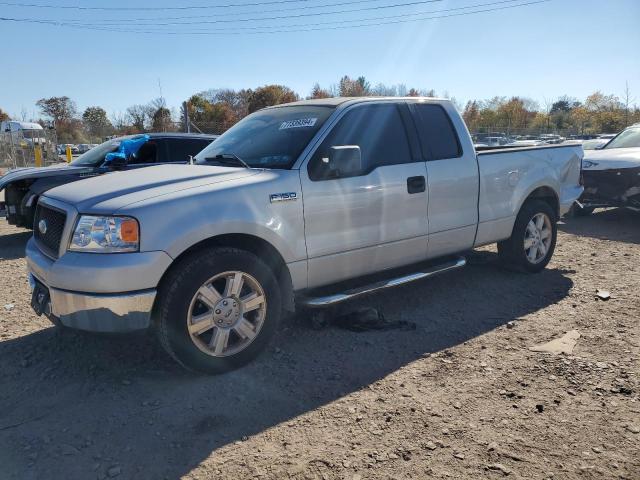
pixel 627 139
pixel 95 156
pixel 271 138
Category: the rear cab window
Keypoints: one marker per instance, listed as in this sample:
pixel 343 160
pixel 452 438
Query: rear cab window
pixel 438 137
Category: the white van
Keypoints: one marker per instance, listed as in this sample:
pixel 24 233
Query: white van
pixel 23 133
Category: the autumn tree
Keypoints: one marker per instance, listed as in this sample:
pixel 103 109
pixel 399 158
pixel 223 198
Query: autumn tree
pixel 59 109
pixel 319 92
pixel 210 117
pixel 348 87
pixel 63 111
pixel 3 115
pixel 471 114
pixel 270 95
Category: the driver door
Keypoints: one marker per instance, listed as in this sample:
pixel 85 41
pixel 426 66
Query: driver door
pixel 372 219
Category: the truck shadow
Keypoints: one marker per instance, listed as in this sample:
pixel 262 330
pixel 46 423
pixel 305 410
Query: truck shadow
pixel 615 224
pixel 12 245
pixel 74 404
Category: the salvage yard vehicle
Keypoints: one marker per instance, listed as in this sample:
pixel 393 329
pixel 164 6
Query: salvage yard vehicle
pixel 24 186
pixel 279 212
pixel 612 174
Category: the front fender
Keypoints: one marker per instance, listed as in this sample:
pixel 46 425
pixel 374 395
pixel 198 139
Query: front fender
pixel 174 223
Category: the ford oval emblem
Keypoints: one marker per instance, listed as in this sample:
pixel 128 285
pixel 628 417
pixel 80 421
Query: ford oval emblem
pixel 42 227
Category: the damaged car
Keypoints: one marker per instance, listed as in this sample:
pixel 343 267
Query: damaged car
pixel 611 174
pixel 24 186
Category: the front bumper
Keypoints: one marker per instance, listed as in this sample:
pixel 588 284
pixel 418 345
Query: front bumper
pixel 109 313
pixel 98 292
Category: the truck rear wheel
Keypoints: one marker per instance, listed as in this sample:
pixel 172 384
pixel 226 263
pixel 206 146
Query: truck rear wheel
pixel 533 239
pixel 218 309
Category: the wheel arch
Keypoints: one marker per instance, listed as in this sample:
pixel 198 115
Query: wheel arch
pixel 254 244
pixel 546 194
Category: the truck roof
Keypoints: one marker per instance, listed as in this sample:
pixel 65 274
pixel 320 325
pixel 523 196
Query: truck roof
pixel 335 101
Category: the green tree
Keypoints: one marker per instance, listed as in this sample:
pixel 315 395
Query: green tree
pixel 96 121
pixel 161 120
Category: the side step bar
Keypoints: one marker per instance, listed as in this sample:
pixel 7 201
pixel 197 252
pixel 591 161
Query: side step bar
pixel 329 300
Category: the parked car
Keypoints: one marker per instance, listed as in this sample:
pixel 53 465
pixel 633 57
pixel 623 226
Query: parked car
pixel 282 208
pixel 24 186
pixel 594 144
pixel 612 174
pixel 495 141
pixel 83 148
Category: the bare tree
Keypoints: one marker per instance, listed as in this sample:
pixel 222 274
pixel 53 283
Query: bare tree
pixel 627 100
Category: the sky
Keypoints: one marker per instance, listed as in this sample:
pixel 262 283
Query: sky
pixel 541 51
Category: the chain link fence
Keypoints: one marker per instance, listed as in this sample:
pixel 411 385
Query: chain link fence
pixel 18 150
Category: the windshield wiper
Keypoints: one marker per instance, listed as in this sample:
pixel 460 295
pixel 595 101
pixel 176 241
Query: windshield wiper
pixel 221 157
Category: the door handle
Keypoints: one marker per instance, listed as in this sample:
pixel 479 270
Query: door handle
pixel 416 184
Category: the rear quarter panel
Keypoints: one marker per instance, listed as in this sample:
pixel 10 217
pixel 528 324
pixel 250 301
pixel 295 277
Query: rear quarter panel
pixel 507 178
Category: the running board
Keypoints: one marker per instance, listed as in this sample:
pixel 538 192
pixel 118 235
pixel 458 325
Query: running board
pixel 329 300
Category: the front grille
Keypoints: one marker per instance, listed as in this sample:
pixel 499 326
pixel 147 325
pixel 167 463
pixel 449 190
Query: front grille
pixel 53 221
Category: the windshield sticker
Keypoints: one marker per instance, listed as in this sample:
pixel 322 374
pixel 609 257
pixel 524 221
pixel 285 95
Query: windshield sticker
pixel 302 122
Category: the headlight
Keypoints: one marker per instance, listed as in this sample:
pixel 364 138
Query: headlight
pixel 588 164
pixel 106 235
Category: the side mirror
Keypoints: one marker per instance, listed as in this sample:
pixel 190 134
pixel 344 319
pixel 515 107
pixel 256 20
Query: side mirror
pixel 115 162
pixel 344 161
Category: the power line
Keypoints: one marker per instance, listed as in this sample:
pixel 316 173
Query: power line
pixel 268 30
pixel 288 17
pixel 359 20
pixel 235 14
pixel 193 7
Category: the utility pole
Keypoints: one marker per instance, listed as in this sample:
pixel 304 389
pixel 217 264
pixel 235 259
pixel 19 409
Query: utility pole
pixel 187 120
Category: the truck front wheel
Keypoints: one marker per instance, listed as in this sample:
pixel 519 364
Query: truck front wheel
pixel 533 239
pixel 218 309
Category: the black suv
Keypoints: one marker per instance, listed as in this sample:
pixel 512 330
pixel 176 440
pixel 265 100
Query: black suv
pixel 24 186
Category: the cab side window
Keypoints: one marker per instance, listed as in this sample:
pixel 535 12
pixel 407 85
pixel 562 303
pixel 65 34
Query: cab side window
pixel 378 131
pixel 181 149
pixel 437 136
pixel 148 153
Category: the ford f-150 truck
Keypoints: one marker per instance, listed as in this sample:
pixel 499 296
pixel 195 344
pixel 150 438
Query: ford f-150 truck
pixel 305 204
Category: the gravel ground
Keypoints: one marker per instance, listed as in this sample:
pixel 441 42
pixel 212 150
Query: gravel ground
pixel 462 396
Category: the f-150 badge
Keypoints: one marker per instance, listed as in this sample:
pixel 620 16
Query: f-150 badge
pixel 283 197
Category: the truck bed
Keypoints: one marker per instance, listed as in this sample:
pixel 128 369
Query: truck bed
pixel 510 175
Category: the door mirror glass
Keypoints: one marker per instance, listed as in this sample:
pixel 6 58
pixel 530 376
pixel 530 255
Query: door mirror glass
pixel 344 161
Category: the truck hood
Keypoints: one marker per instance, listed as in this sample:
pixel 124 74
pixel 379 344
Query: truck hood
pixel 611 159
pixel 108 193
pixel 40 172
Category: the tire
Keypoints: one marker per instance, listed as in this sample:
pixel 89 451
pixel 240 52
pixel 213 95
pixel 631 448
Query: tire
pixel 514 252
pixel 233 333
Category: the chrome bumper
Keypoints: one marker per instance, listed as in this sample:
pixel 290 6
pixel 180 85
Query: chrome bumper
pixel 121 312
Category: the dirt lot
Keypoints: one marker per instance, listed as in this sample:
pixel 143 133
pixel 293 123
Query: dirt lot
pixel 462 396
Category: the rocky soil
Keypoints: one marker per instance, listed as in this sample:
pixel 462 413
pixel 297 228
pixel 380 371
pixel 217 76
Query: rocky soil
pixel 461 396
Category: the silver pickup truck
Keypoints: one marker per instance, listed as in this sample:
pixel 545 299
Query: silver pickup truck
pixel 299 205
